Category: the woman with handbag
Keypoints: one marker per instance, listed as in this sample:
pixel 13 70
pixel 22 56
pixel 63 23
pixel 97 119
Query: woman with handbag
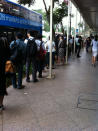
pixel 61 50
pixel 3 57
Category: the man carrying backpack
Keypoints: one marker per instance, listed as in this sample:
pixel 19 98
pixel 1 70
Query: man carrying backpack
pixel 40 54
pixel 31 52
pixel 18 51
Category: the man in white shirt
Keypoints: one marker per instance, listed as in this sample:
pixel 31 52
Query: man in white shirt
pixel 40 54
pixel 31 59
pixel 48 52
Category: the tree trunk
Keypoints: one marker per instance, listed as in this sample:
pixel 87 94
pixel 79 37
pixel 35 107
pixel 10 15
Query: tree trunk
pixel 45 6
pixel 70 26
pixel 48 16
pixel 62 27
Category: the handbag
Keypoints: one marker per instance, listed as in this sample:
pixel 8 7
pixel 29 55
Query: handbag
pixel 9 67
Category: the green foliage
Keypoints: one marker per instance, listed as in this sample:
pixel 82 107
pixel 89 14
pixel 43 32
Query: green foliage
pixel 40 11
pixel 59 13
pixel 46 24
pixel 80 24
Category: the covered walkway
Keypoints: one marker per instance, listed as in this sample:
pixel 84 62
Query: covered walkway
pixel 52 105
pixel 89 11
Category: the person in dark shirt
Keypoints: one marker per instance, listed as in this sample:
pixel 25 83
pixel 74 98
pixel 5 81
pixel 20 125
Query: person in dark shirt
pixel 88 43
pixel 79 46
pixel 4 53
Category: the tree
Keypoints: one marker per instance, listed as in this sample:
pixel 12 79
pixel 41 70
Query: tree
pixel 46 24
pixel 81 25
pixel 58 13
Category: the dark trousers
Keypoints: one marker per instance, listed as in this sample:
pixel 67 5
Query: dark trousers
pixel 40 66
pixel 78 50
pixel 48 57
pixel 20 74
pixel 87 47
pixel 34 68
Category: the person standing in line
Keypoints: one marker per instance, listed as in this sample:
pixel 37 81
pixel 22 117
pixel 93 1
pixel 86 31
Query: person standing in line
pixel 94 44
pixel 18 50
pixel 70 45
pixel 48 52
pixel 78 46
pixel 56 45
pixel 31 56
pixel 61 50
pixel 4 53
pixel 40 54
pixel 76 42
pixel 88 42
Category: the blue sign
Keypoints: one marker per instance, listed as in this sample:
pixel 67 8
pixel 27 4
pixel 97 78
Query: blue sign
pixel 77 30
pixel 17 22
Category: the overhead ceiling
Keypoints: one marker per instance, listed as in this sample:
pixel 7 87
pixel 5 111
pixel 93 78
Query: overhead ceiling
pixel 89 10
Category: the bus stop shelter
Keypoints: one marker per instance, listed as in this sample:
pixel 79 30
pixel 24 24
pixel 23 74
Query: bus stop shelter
pixel 89 11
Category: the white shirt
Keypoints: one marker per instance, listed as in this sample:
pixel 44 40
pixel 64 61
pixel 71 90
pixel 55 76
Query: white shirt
pixel 38 42
pixel 77 40
pixel 26 40
pixel 47 46
pixel 94 45
pixel 71 41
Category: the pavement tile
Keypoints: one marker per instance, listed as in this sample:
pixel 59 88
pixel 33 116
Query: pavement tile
pixel 91 128
pixel 83 118
pixel 50 105
pixel 43 104
pixel 23 125
pixel 1 127
pixel 58 122
pixel 1 117
pixel 17 113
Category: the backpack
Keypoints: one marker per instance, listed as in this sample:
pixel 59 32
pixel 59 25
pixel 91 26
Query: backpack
pixel 18 53
pixel 31 48
pixel 41 53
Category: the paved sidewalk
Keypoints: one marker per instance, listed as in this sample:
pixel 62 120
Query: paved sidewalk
pixel 51 105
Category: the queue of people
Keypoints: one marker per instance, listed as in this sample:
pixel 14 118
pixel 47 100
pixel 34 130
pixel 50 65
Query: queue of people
pixel 34 54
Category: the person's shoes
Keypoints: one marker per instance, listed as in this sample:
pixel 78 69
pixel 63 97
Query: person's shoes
pixel 40 76
pixel 21 87
pixel 28 80
pixel 2 108
pixel 15 87
pixel 36 80
pixel 78 56
pixel 47 67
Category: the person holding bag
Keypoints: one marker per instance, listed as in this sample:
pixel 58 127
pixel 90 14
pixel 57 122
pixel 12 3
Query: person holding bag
pixel 18 51
pixel 40 54
pixel 4 53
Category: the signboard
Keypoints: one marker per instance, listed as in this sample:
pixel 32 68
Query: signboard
pixel 77 31
pixel 17 22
